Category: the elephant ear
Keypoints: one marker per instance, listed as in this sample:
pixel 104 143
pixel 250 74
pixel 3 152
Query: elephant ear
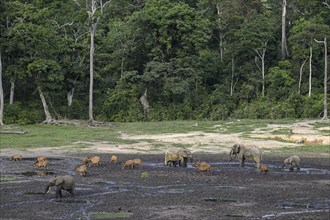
pixel 58 181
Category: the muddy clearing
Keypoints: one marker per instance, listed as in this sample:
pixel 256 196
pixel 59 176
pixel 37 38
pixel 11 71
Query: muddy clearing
pixel 158 192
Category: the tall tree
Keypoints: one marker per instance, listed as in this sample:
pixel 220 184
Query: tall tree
pixel 302 40
pixel 284 47
pixel 94 10
pixel 325 100
pixel 1 94
pixel 258 34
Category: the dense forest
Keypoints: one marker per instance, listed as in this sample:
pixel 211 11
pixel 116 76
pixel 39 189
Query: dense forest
pixel 151 60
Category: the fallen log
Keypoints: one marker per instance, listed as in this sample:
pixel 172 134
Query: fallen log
pixel 12 132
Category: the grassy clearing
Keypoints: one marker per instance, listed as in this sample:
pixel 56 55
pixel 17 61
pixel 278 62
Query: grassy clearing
pixel 110 215
pixel 42 135
pixel 6 179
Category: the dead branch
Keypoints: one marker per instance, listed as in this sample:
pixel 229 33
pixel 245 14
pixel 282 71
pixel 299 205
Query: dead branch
pixel 12 132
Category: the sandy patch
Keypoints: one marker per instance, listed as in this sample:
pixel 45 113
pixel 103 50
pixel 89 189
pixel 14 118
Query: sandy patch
pixel 197 141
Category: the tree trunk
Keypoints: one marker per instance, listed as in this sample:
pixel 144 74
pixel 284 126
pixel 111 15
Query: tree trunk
pixel 122 67
pixel 91 72
pixel 300 74
pixel 325 100
pixel 310 70
pixel 49 118
pixel 263 71
pixel 262 56
pixel 145 103
pixel 12 92
pixel 1 94
pixel 284 48
pixel 220 33
pixel 325 116
pixel 69 95
pixel 232 76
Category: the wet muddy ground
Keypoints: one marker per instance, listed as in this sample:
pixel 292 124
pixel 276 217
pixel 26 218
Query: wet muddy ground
pixel 158 192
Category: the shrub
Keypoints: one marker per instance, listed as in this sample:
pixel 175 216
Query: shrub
pixel 17 114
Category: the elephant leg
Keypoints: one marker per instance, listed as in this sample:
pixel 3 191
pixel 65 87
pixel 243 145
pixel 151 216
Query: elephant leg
pixel 185 160
pixel 257 160
pixel 58 192
pixel 71 192
pixel 242 160
pixel 291 167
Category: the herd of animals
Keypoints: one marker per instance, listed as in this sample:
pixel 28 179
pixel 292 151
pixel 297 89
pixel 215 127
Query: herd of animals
pixel 173 157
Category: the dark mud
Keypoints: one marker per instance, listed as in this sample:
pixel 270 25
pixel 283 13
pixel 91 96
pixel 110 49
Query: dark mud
pixel 158 192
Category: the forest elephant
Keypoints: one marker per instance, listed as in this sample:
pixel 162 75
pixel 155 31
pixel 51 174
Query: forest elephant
pixel 174 156
pixel 185 154
pixel 292 162
pixel 246 152
pixel 66 183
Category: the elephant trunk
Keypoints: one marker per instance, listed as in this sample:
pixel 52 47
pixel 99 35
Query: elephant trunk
pixel 231 155
pixel 191 160
pixel 47 188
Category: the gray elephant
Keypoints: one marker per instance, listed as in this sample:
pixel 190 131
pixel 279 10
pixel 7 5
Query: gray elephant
pixel 246 152
pixel 177 156
pixel 292 162
pixel 62 183
pixel 185 154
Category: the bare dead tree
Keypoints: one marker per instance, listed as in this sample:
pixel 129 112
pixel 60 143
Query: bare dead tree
pixel 300 74
pixel 284 47
pixel 49 118
pixel 325 101
pixel 262 54
pixel 94 19
pixel 310 71
pixel 145 103
pixel 221 35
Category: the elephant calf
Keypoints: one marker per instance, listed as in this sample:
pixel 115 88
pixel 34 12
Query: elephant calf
pixel 292 162
pixel 66 183
pixel 174 156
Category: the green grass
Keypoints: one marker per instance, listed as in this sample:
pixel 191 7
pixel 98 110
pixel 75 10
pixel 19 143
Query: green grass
pixel 306 150
pixel 43 135
pixel 6 179
pixel 110 215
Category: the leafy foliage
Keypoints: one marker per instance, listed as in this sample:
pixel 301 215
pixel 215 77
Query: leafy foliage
pixel 196 59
